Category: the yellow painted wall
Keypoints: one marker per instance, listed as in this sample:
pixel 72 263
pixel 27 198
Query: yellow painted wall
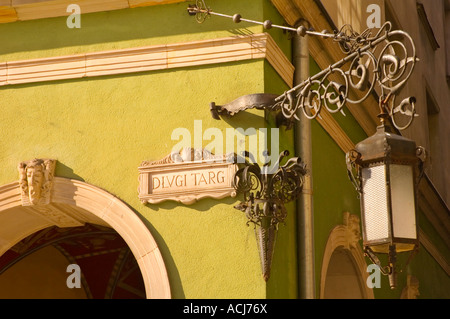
pixel 101 129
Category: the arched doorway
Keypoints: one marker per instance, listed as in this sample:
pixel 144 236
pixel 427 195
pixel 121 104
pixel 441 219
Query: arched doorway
pixel 40 266
pixel 79 207
pixel 344 270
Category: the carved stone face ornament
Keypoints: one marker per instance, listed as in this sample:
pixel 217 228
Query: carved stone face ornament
pixel 35 177
pixel 36 180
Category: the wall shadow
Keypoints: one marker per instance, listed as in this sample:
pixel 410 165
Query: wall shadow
pixel 62 170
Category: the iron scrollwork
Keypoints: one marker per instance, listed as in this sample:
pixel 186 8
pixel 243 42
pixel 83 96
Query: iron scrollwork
pixel 382 62
pixel 265 193
pixel 377 64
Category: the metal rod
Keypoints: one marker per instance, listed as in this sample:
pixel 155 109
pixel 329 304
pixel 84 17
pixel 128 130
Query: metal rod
pixel 195 10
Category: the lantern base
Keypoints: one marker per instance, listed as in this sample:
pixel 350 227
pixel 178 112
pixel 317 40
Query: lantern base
pixel 400 247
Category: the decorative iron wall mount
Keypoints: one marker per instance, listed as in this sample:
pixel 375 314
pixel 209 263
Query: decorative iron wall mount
pixel 266 192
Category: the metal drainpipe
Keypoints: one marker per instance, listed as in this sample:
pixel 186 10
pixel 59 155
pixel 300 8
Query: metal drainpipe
pixel 303 149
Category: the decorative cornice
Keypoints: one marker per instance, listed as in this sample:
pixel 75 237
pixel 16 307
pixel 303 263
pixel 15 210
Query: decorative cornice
pixel 22 10
pixel 336 132
pixel 279 61
pixel 434 251
pixel 158 57
pixel 427 26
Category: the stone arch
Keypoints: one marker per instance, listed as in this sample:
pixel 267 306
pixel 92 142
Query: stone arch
pixel 342 245
pixel 74 203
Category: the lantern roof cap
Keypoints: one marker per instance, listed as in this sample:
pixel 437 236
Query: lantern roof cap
pixel 387 146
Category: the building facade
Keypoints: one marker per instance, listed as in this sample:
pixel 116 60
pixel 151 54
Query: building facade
pixel 115 118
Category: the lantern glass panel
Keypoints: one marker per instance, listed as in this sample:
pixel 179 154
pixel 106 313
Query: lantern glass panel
pixel 402 199
pixel 374 202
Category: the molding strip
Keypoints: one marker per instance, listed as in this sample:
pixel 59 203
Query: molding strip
pixel 280 62
pixel 160 57
pixel 22 10
pixel 431 248
pixel 427 26
pixel 335 130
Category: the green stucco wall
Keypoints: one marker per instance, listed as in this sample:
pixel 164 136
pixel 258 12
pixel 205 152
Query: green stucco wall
pixel 101 129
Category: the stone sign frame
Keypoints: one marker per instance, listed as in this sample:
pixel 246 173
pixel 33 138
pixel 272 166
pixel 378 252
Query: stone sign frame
pixel 189 163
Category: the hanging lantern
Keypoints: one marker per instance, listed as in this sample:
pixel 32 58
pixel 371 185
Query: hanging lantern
pixel 388 168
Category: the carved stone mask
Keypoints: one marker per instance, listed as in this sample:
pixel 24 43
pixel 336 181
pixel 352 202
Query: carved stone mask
pixel 36 179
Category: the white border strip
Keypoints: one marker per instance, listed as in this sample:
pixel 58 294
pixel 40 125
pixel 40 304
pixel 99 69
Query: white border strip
pixel 160 57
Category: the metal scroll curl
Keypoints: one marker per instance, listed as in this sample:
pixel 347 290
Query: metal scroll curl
pixel 200 10
pixel 383 62
pixel 265 193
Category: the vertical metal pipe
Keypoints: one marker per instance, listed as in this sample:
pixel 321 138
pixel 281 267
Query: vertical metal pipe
pixel 303 149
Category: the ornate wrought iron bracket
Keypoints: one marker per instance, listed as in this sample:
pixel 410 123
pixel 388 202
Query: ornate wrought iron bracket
pixel 377 64
pixel 265 192
pixel 246 102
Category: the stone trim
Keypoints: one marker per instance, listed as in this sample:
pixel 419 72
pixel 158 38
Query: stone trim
pixel 82 202
pixel 346 236
pixel 434 251
pixel 150 58
pixel 22 10
pixel 335 130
